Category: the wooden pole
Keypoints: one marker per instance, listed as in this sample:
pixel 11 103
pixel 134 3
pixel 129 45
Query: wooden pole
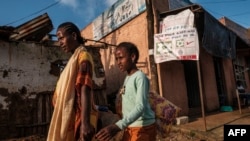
pixel 238 99
pixel 156 30
pixel 201 95
pixel 150 29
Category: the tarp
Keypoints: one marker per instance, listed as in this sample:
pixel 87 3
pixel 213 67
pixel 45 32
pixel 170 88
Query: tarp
pixel 217 39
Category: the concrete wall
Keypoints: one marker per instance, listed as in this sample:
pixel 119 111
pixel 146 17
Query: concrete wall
pixel 25 76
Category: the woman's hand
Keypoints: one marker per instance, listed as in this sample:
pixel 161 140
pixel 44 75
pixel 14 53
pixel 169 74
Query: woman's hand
pixel 87 132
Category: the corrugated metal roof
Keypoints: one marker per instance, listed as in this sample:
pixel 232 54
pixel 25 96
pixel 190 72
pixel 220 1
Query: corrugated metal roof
pixel 237 29
pixel 5 32
pixel 33 30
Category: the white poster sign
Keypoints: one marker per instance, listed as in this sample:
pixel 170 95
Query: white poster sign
pixel 117 15
pixel 175 22
pixel 178 40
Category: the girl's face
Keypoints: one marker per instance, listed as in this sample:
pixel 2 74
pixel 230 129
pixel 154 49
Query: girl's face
pixel 66 41
pixel 123 59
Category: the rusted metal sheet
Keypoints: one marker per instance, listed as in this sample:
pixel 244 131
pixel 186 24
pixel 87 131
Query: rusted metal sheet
pixel 33 30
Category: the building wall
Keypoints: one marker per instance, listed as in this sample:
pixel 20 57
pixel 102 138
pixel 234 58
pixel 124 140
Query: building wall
pixel 174 84
pixel 171 73
pixel 134 31
pixel 172 76
pixel 25 81
pixel 211 100
pixel 27 65
pixel 230 83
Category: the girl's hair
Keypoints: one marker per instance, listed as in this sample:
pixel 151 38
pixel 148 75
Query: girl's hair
pixel 131 49
pixel 69 28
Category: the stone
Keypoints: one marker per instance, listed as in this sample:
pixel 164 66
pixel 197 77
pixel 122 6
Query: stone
pixel 182 120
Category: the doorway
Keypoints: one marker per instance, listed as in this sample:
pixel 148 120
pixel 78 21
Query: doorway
pixel 192 84
pixel 219 75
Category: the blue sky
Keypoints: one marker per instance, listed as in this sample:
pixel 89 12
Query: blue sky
pixel 82 12
pixel 236 10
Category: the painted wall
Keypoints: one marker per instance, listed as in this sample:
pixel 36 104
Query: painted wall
pixel 210 94
pixel 229 81
pixel 174 84
pixel 133 31
pixel 172 74
pixel 27 65
pixel 26 85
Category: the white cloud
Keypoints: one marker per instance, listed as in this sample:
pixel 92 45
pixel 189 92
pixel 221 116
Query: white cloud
pixel 194 1
pixel 87 10
pixel 92 8
pixel 109 2
pixel 70 3
pixel 74 3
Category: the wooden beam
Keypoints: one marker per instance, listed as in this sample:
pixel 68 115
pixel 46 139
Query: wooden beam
pixel 150 29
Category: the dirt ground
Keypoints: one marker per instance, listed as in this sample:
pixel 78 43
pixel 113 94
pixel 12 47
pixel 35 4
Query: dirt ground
pixel 179 133
pixel 173 136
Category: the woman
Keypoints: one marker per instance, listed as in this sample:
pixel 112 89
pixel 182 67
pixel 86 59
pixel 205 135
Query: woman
pixel 72 100
pixel 138 119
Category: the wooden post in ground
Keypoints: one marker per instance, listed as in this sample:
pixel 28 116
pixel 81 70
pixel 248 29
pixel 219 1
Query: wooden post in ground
pixel 150 29
pixel 201 95
pixel 238 99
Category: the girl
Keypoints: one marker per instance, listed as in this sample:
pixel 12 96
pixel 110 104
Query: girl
pixel 138 119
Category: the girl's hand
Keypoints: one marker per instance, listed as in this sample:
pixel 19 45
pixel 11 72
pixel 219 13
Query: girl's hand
pixel 107 133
